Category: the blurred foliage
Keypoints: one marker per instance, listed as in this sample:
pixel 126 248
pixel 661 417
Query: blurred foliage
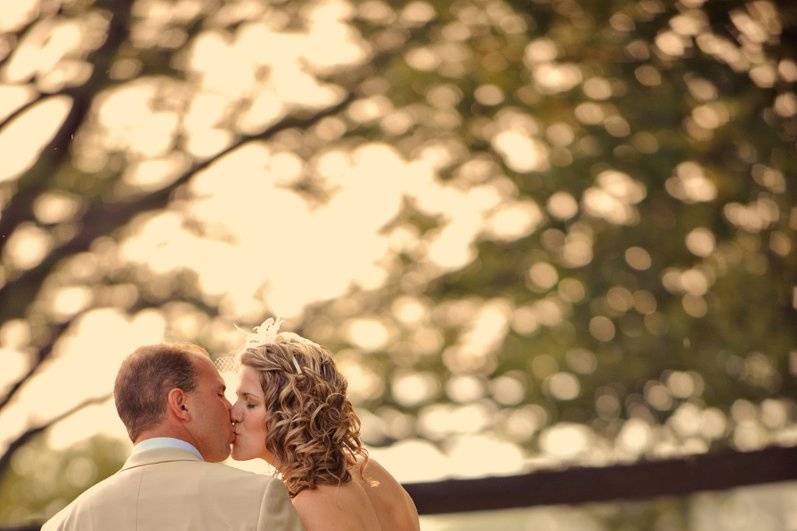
pixel 594 254
pixel 40 480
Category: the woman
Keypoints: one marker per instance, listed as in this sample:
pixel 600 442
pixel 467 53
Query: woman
pixel 293 412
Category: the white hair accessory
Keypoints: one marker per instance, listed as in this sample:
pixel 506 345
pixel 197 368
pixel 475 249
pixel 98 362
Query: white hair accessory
pixel 296 364
pixel 265 334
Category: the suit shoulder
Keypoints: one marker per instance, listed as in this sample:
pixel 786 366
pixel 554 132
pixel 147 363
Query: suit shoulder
pixel 97 489
pixel 59 519
pixel 237 481
pixel 229 472
pixel 244 491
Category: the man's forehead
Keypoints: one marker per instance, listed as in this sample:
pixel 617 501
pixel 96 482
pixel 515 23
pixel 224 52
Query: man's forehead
pixel 202 362
pixel 205 368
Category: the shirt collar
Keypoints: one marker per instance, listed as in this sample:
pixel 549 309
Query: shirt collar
pixel 166 442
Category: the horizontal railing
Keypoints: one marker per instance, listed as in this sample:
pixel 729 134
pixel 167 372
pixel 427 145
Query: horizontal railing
pixel 578 485
pixel 638 480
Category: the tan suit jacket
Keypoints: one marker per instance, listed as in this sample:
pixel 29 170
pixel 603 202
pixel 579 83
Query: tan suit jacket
pixel 172 489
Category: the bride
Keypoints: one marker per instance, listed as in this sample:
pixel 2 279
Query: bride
pixel 293 412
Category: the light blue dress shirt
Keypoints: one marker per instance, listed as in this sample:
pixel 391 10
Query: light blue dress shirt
pixel 166 442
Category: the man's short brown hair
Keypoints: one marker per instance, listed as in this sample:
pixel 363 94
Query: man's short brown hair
pixel 145 379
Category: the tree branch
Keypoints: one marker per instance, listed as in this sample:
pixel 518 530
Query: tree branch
pixel 58 330
pixel 104 218
pixel 23 31
pixel 25 437
pixel 25 106
pixel 31 183
pixel 43 353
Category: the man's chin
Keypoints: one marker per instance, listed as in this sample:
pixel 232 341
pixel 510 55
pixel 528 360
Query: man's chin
pixel 218 458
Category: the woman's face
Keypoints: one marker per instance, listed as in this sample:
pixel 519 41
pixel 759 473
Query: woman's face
pixel 249 417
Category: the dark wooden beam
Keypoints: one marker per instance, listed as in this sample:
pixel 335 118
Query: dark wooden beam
pixel 577 485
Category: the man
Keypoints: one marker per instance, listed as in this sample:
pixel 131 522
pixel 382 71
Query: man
pixel 171 400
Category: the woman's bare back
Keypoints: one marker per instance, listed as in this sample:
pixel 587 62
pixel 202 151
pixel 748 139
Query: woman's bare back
pixel 376 502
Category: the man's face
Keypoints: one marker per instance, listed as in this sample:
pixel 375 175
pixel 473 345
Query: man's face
pixel 210 424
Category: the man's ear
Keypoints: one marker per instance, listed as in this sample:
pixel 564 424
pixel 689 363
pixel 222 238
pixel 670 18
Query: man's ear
pixel 177 405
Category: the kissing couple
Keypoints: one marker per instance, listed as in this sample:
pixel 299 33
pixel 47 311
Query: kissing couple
pixel 291 410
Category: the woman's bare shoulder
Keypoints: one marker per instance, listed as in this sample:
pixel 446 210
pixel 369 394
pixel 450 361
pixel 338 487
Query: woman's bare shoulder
pixel 347 506
pixel 320 497
pixel 325 508
pixel 391 498
pixel 377 473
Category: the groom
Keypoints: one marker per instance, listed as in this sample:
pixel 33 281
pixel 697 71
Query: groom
pixel 171 400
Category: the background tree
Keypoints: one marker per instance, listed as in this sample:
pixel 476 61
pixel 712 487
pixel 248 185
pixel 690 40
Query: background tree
pixel 552 230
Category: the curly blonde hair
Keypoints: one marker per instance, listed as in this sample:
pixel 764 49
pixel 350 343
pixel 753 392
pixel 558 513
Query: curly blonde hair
pixel 313 430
